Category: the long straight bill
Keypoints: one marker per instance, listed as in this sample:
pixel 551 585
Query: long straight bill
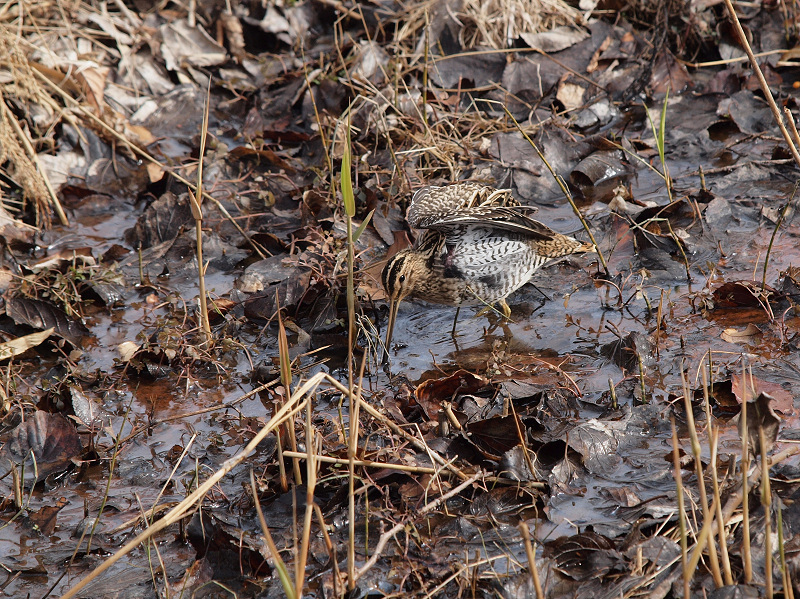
pixel 393 305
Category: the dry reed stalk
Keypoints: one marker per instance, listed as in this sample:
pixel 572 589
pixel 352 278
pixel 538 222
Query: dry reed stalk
pixel 531 555
pixel 701 483
pixel 312 449
pixel 713 439
pixel 331 549
pixel 766 503
pixel 197 213
pixel 286 382
pixel 364 463
pixel 676 464
pixel 280 565
pixel 786 577
pixel 745 464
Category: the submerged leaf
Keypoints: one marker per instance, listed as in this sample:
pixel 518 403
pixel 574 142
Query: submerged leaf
pixel 431 393
pixel 750 335
pixel 744 294
pixel 50 439
pixel 584 556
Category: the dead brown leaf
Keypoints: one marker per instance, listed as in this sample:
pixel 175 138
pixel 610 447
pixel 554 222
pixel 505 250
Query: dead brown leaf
pixel 751 335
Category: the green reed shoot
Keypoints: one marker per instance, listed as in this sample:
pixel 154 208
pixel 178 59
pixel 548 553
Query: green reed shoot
pixel 348 198
pixel 659 133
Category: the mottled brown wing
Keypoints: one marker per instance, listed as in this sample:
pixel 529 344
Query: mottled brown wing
pixel 506 219
pixel 431 203
pixel 464 204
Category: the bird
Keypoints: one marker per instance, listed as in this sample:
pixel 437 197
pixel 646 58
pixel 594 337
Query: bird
pixel 478 246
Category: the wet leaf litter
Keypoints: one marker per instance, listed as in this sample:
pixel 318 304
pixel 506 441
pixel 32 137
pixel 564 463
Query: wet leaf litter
pixel 126 433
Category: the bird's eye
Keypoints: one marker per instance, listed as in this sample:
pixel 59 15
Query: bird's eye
pixel 402 279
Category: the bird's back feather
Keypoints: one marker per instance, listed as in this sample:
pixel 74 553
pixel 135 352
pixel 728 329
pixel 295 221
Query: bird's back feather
pixel 464 204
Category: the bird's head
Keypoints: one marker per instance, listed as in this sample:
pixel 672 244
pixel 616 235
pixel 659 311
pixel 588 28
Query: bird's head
pixel 398 280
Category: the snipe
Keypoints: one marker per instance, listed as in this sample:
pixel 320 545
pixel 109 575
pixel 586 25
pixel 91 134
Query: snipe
pixel 479 246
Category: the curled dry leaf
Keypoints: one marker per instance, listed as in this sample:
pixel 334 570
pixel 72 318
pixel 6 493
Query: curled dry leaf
pixel 555 40
pixel 189 46
pixel 493 437
pixel 432 392
pixel 751 335
pixel 570 95
pixel 20 345
pixel 63 258
pixel 598 168
pixel 126 350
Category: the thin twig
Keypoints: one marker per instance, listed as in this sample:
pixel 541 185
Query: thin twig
pixel 763 82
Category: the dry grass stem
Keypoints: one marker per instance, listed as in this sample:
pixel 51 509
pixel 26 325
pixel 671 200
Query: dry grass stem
pixel 734 60
pixel 197 214
pixel 713 438
pixel 363 463
pixel 312 447
pixel 280 565
pixel 786 577
pixel 766 503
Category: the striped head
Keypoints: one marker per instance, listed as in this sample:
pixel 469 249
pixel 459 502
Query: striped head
pixel 398 279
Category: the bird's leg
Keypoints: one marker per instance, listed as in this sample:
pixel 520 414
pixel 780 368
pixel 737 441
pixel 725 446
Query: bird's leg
pixel 505 308
pixel 505 311
pixel 455 321
pixel 485 310
pixel 547 297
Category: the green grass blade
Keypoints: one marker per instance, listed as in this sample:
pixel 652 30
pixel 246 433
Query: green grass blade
pixel 662 130
pixel 346 180
pixel 362 226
